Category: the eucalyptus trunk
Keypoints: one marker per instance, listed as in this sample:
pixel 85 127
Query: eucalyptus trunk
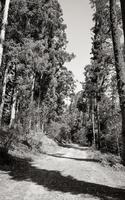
pixel 13 109
pixel 93 123
pixel 3 94
pixel 31 101
pixel 123 15
pixel 3 30
pixel 38 111
pixel 120 69
pixel 98 125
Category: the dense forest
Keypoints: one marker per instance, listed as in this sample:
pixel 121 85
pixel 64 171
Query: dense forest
pixel 35 83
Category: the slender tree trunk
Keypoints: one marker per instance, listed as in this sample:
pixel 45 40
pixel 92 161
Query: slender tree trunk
pixel 31 101
pixel 93 124
pixel 117 141
pixel 3 30
pixel 32 90
pixel 13 109
pixel 3 94
pixel 98 124
pixel 123 15
pixel 42 129
pixel 17 107
pixel 38 112
pixel 120 69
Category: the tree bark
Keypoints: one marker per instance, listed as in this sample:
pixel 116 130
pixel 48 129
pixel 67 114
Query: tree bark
pixel 3 93
pixel 98 124
pixel 32 99
pixel 117 143
pixel 13 109
pixel 93 124
pixel 3 30
pixel 38 112
pixel 123 15
pixel 120 69
pixel 32 89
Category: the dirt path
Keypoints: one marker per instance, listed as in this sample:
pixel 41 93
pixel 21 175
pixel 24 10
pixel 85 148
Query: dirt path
pixel 66 175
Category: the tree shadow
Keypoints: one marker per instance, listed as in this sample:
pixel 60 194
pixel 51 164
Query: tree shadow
pixel 71 146
pixel 23 170
pixel 59 155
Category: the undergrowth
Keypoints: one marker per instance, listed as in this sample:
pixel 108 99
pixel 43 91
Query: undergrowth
pixel 107 159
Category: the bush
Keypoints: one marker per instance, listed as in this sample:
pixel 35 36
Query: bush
pixel 106 159
pixel 60 132
pixel 80 137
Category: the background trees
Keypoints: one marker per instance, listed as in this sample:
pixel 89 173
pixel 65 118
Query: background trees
pixel 106 69
pixel 34 80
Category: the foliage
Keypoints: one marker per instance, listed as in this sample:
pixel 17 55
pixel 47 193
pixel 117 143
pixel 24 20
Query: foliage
pixel 35 54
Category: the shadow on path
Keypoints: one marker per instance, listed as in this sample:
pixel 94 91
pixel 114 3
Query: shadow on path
pixel 59 155
pixel 71 146
pixel 22 170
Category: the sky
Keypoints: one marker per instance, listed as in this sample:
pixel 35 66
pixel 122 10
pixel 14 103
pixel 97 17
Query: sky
pixel 77 15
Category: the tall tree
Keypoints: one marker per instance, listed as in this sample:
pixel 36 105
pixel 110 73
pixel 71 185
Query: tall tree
pixel 98 70
pixel 2 39
pixel 123 15
pixel 3 93
pixel 3 29
pixel 37 33
pixel 120 68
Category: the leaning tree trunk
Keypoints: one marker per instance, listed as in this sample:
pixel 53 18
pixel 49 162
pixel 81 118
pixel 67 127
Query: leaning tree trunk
pixel 3 94
pixel 120 69
pixel 123 16
pixel 3 30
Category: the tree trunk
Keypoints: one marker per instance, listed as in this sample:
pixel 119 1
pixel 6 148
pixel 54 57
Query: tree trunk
pixel 98 125
pixel 38 111
pixel 32 89
pixel 13 109
pixel 117 143
pixel 3 30
pixel 123 15
pixel 120 69
pixel 93 124
pixel 31 102
pixel 3 94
